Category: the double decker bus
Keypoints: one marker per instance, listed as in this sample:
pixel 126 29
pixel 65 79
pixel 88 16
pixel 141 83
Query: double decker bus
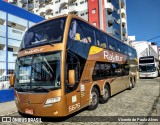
pixel 148 67
pixel 65 64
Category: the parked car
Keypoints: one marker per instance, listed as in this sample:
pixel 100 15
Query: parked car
pixel 4 82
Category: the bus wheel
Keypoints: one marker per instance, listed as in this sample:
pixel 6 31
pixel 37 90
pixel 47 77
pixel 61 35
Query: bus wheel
pixel 22 114
pixel 134 82
pixel 94 99
pixel 106 96
pixel 130 84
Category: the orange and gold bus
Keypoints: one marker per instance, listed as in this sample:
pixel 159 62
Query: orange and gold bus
pixel 65 64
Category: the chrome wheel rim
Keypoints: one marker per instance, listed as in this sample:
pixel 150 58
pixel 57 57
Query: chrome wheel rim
pixel 94 98
pixel 105 96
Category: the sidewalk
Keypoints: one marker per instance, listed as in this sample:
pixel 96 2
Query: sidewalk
pixel 7 108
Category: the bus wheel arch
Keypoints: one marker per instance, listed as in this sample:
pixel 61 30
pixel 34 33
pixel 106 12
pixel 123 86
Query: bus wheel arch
pixel 94 97
pixel 106 93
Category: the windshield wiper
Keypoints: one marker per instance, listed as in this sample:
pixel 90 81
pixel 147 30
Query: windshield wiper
pixel 40 89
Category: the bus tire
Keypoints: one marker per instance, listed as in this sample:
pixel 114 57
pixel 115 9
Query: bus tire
pixel 95 99
pixel 104 98
pixel 22 114
pixel 134 82
pixel 130 83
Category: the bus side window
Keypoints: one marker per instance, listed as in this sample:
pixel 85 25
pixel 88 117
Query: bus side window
pixel 88 32
pixel 118 48
pixel 101 39
pixel 111 43
pixel 129 51
pixel 125 49
pixel 125 69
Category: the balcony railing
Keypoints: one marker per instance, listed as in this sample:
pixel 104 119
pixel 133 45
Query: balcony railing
pixel 124 30
pixel 24 1
pixel 15 34
pixel 110 18
pixel 110 30
pixel 3 30
pixel 11 56
pixel 109 7
pixel 25 7
pixel 42 1
pixel 123 20
pixel 123 2
pixel 64 11
pixel 123 11
pixel 73 8
pixel 30 6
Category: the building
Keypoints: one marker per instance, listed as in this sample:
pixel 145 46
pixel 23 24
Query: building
pixel 131 39
pixel 14 21
pixel 109 15
pixel 145 48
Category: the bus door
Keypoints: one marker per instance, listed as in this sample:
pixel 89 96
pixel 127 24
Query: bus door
pixel 72 83
pixel 73 98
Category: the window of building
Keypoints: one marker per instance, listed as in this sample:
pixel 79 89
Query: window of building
pixel 94 23
pixel 16 31
pixel 10 49
pixel 94 11
pixel 81 2
pixel 57 1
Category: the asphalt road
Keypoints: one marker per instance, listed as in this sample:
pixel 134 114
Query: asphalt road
pixel 143 100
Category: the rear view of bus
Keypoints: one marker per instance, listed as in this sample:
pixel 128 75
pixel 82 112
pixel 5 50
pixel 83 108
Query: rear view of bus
pixel 148 67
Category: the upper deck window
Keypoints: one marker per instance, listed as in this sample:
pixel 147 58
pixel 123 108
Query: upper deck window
pixel 47 32
pixel 82 32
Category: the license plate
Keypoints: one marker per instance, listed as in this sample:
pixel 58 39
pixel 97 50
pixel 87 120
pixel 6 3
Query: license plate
pixel 29 111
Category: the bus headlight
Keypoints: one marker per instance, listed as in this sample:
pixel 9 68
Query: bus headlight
pixel 53 100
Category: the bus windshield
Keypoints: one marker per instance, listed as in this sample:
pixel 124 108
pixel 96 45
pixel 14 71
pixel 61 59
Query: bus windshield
pixel 147 68
pixel 47 32
pixel 38 71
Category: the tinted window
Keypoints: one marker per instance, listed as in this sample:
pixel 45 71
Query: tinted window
pixel 119 46
pixel 130 51
pixel 101 39
pixel 103 70
pixel 50 31
pixel 125 49
pixel 111 43
pixel 82 32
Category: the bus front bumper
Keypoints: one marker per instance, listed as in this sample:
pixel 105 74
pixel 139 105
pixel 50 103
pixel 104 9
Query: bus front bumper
pixel 149 75
pixel 41 110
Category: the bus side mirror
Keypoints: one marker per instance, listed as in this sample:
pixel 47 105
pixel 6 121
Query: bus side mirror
pixel 12 80
pixel 72 78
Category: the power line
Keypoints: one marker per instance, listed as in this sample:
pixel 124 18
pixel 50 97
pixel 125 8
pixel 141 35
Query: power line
pixel 153 38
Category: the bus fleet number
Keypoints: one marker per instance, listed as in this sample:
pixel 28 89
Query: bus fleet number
pixel 74 107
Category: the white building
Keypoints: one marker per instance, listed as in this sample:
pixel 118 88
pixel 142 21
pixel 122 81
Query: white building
pixel 108 15
pixel 145 48
pixel 14 21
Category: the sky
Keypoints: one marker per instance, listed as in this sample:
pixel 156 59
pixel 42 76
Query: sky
pixel 143 19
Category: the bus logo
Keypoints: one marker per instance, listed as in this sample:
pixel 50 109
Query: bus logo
pixel 33 51
pixel 112 57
